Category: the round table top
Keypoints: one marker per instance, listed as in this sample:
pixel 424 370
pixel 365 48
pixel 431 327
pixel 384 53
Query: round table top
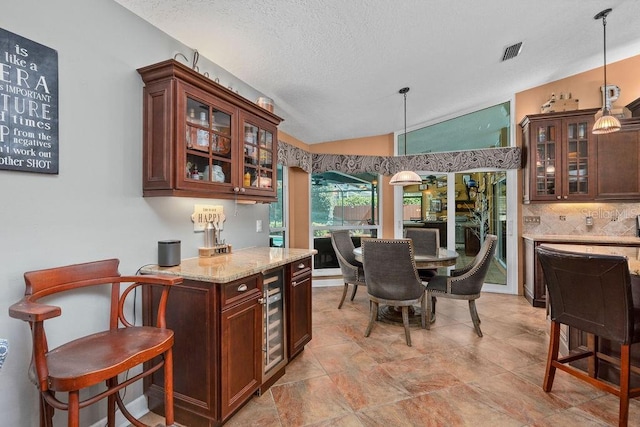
pixel 444 258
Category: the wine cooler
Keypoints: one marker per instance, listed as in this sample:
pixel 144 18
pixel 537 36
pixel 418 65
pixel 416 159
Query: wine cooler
pixel 273 332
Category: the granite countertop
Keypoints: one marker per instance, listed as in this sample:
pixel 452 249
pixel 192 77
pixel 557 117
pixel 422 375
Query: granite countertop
pixel 567 238
pixel 229 267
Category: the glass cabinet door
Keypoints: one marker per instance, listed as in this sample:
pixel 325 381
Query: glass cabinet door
pixel 208 143
pixel 258 157
pixel 577 168
pixel 547 154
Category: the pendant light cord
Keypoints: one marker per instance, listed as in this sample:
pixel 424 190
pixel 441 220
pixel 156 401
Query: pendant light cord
pixel 603 15
pixel 404 91
pixel 604 92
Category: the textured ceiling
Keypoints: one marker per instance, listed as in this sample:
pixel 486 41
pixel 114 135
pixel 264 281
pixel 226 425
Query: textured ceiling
pixel 334 67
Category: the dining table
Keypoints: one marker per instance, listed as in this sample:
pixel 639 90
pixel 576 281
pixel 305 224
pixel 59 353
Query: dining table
pixel 443 258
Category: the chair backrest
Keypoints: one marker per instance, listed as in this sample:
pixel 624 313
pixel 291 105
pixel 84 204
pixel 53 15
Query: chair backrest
pixel 343 246
pixel 591 292
pixel 390 269
pixel 60 279
pixel 426 241
pixel 470 279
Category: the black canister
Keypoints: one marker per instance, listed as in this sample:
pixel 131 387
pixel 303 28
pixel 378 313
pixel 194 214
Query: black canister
pixel 168 253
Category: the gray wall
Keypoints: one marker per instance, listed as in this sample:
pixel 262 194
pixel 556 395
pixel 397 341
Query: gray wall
pixel 94 208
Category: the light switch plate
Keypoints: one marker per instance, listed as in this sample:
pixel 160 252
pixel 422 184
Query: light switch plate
pixel 258 226
pixel 531 219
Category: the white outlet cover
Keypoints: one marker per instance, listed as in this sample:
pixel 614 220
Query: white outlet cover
pixel 258 226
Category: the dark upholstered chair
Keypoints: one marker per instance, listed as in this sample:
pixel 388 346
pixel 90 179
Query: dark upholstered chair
pixel 464 283
pixel 426 241
pixel 352 272
pixel 100 357
pixel 592 293
pixel 392 279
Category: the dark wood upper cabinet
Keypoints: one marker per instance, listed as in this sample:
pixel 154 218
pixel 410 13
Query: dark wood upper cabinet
pixel 561 156
pixel 203 140
pixel 618 162
pixel 568 163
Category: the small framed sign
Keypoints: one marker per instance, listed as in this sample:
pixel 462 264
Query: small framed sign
pixel 28 105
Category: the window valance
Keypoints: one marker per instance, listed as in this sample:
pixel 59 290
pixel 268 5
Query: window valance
pixel 453 161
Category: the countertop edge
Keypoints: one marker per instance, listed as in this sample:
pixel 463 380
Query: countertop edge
pixel 565 238
pixel 189 267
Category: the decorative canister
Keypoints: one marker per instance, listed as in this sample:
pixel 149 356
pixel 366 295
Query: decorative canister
pixel 266 103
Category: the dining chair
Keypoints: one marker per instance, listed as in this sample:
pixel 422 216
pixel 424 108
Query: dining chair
pixel 392 279
pixel 592 293
pixel 352 271
pixel 426 241
pixel 100 357
pixel 464 283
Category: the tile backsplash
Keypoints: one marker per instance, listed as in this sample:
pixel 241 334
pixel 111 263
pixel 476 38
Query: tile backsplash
pixel 609 219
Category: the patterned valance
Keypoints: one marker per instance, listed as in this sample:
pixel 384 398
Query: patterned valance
pixel 452 161
pixel 289 155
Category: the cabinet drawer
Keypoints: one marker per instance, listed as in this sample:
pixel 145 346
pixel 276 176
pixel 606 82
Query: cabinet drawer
pixel 240 290
pixel 299 267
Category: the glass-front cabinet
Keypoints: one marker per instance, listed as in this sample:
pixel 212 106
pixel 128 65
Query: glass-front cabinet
pixel 203 140
pixel 259 169
pixel 561 151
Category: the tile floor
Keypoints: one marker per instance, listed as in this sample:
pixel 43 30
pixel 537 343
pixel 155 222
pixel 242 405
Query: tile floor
pixel 449 377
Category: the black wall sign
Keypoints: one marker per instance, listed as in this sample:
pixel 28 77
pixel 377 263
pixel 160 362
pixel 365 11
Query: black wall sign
pixel 28 105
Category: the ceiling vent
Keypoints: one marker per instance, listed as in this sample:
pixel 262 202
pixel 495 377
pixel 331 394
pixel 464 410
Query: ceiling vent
pixel 512 51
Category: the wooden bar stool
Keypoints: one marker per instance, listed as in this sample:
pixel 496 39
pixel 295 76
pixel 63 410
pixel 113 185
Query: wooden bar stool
pixel 592 293
pixel 100 357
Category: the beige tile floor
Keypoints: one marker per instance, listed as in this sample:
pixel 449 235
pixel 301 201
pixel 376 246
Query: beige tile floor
pixel 449 377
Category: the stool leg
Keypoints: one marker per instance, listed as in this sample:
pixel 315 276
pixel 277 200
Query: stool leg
pixel 625 372
pixel 73 412
pixel 168 387
pixel 554 346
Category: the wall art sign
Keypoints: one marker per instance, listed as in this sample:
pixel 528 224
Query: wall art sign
pixel 28 105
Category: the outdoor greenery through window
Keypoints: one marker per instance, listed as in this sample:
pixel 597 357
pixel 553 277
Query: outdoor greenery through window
pixel 342 201
pixel 277 214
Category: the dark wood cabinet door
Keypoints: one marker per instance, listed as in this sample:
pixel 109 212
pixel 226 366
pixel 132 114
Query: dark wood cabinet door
pixel 241 360
pixel 299 322
pixel 299 284
pixel 618 161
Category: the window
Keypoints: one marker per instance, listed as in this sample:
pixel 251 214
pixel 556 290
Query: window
pixel 486 128
pixel 278 212
pixel 342 201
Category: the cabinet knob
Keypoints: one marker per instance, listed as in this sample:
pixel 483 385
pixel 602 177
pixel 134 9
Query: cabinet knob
pixel 300 266
pixel 294 283
pixel 242 288
pixel 565 197
pixel 558 197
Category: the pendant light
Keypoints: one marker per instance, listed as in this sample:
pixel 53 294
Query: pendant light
pixel 403 178
pixel 606 123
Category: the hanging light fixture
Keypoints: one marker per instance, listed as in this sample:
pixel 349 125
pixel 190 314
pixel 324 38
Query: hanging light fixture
pixel 403 178
pixel 606 123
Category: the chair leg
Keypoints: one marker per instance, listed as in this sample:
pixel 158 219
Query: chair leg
pixel 625 372
pixel 373 315
pixel 74 409
pixel 405 322
pixel 429 299
pixel 552 357
pixel 423 311
pixel 111 403
pixel 344 295
pixel 46 413
pixel 353 294
pixel 474 317
pixel 168 387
